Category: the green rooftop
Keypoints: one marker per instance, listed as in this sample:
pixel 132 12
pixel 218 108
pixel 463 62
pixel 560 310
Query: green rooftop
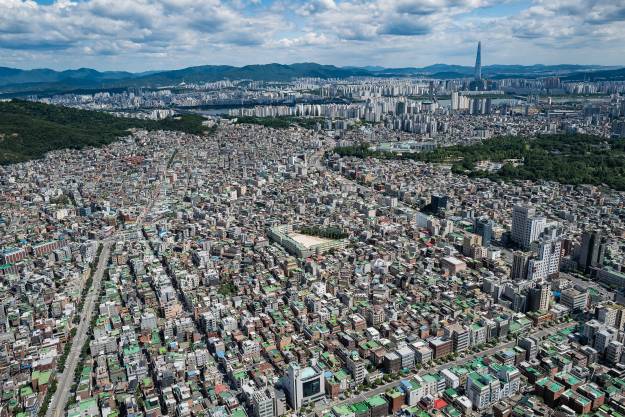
pixel 360 407
pixel 238 412
pixel 341 410
pixel 376 401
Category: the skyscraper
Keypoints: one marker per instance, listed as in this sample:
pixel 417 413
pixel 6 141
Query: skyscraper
pixel 478 63
pixel 547 262
pixel 592 251
pixel 539 297
pixel 520 262
pixel 438 202
pixel 526 226
pixel 484 228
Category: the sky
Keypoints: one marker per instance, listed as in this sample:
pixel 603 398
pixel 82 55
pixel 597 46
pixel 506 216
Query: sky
pixel 143 35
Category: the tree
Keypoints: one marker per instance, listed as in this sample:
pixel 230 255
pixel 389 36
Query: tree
pixel 38 128
pixel 569 159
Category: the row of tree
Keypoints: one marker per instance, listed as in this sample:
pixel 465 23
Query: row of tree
pixel 325 232
pixel 280 122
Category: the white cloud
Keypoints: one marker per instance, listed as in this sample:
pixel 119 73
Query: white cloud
pixel 315 7
pixel 308 39
pixel 148 34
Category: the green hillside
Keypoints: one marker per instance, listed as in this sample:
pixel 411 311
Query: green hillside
pixel 568 159
pixel 28 130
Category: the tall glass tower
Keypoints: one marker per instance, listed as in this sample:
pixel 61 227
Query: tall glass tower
pixel 478 62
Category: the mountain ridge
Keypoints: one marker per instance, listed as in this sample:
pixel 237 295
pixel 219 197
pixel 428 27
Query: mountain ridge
pixel 13 80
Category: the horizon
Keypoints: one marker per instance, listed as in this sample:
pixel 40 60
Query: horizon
pixel 160 35
pixel 467 66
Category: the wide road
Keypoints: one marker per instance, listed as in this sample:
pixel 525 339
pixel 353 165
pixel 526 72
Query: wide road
pixel 64 382
pixel 321 405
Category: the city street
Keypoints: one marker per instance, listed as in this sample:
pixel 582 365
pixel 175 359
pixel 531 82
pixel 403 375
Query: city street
pixel 64 383
pixel 322 407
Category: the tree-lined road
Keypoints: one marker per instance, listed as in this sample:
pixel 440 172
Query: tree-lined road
pixel 64 382
pixel 433 369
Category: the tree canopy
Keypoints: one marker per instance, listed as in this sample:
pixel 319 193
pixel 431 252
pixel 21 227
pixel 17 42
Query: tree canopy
pixel 28 130
pixel 568 159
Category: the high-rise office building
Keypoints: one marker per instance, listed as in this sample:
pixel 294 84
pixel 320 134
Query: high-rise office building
pixel 478 83
pixel 304 385
pixel 520 262
pixel 488 106
pixel 547 262
pixel 592 250
pixel 438 202
pixel 526 226
pixel 469 241
pixel 539 297
pixel 484 228
pixel 478 63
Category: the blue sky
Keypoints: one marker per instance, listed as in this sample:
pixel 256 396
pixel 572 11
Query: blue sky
pixel 139 35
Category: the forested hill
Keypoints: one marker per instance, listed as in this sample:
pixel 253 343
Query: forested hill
pixel 28 130
pixel 568 159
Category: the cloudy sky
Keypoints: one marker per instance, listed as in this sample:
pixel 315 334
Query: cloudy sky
pixel 140 35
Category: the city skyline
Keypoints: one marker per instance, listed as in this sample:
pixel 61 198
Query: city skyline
pixel 168 34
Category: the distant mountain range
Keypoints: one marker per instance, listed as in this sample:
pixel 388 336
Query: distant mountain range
pixel 11 76
pixel 600 75
pixel 46 81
